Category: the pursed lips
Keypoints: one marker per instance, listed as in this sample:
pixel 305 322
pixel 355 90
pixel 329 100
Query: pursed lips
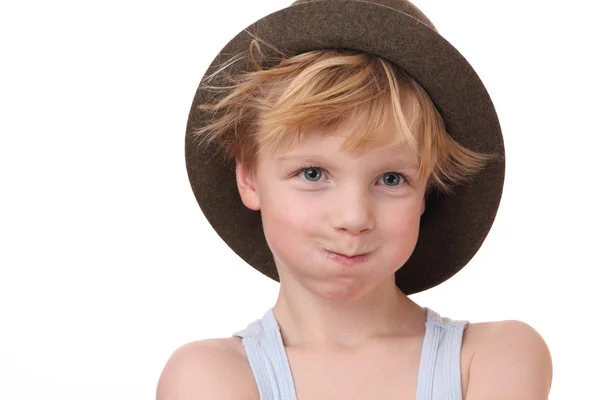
pixel 346 254
pixel 348 261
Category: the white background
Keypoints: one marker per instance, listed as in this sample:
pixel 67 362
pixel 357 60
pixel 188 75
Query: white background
pixel 107 264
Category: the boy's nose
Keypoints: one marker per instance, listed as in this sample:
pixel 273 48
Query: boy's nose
pixel 352 211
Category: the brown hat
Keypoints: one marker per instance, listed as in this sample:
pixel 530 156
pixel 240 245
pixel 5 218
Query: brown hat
pixel 453 226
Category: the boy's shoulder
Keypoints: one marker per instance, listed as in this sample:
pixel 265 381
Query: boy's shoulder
pixel 510 355
pixel 210 368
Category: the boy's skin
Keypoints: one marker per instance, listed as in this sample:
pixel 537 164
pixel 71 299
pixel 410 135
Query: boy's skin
pixel 348 331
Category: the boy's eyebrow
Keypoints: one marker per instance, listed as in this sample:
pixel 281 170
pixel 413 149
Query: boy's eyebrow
pixel 292 157
pixel 315 159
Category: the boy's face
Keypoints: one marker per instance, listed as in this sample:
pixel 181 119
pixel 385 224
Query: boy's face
pixel 349 203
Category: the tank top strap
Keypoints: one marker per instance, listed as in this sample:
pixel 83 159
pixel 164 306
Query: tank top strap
pixel 439 371
pixel 267 357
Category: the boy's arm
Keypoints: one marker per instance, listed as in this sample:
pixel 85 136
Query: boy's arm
pixel 200 370
pixel 511 362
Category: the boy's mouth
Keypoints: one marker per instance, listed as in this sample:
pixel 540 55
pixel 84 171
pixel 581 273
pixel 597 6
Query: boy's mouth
pixel 346 259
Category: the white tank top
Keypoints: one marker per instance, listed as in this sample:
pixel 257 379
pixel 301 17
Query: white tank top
pixel 439 369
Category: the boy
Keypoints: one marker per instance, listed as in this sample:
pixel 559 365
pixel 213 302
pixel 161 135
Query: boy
pixel 373 155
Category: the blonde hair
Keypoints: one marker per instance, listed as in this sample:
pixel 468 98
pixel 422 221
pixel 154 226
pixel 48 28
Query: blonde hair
pixel 270 106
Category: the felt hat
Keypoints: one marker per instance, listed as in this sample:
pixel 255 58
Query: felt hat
pixel 453 226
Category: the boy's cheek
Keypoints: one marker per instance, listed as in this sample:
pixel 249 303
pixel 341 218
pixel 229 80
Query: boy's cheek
pixel 291 208
pixel 289 228
pixel 287 219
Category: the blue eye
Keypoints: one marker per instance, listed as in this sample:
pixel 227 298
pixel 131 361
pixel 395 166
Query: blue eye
pixel 393 179
pixel 312 174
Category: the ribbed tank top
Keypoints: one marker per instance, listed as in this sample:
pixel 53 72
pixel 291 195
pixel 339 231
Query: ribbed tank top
pixel 439 369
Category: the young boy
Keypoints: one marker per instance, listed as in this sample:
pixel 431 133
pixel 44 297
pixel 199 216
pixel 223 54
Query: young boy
pixel 369 163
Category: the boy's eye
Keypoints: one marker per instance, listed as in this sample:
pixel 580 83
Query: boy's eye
pixel 312 174
pixel 393 178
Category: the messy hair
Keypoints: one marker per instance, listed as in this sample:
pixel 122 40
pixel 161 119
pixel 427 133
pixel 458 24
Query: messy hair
pixel 274 103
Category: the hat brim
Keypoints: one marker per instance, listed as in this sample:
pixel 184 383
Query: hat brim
pixel 454 226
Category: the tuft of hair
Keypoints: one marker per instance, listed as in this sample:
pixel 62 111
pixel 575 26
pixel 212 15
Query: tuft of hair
pixel 277 100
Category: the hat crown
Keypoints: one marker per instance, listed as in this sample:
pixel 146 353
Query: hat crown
pixel 403 6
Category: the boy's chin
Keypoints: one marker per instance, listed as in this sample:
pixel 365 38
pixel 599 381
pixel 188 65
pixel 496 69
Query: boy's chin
pixel 343 289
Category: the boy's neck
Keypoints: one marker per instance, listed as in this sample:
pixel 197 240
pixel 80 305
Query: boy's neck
pixel 308 320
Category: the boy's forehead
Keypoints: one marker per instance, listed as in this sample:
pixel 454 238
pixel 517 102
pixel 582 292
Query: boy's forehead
pixel 337 136
pixel 357 133
pixel 321 146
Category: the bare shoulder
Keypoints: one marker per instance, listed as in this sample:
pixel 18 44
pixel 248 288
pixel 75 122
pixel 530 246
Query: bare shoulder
pixel 207 369
pixel 510 359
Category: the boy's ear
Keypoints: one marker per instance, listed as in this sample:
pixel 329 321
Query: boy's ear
pixel 247 187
